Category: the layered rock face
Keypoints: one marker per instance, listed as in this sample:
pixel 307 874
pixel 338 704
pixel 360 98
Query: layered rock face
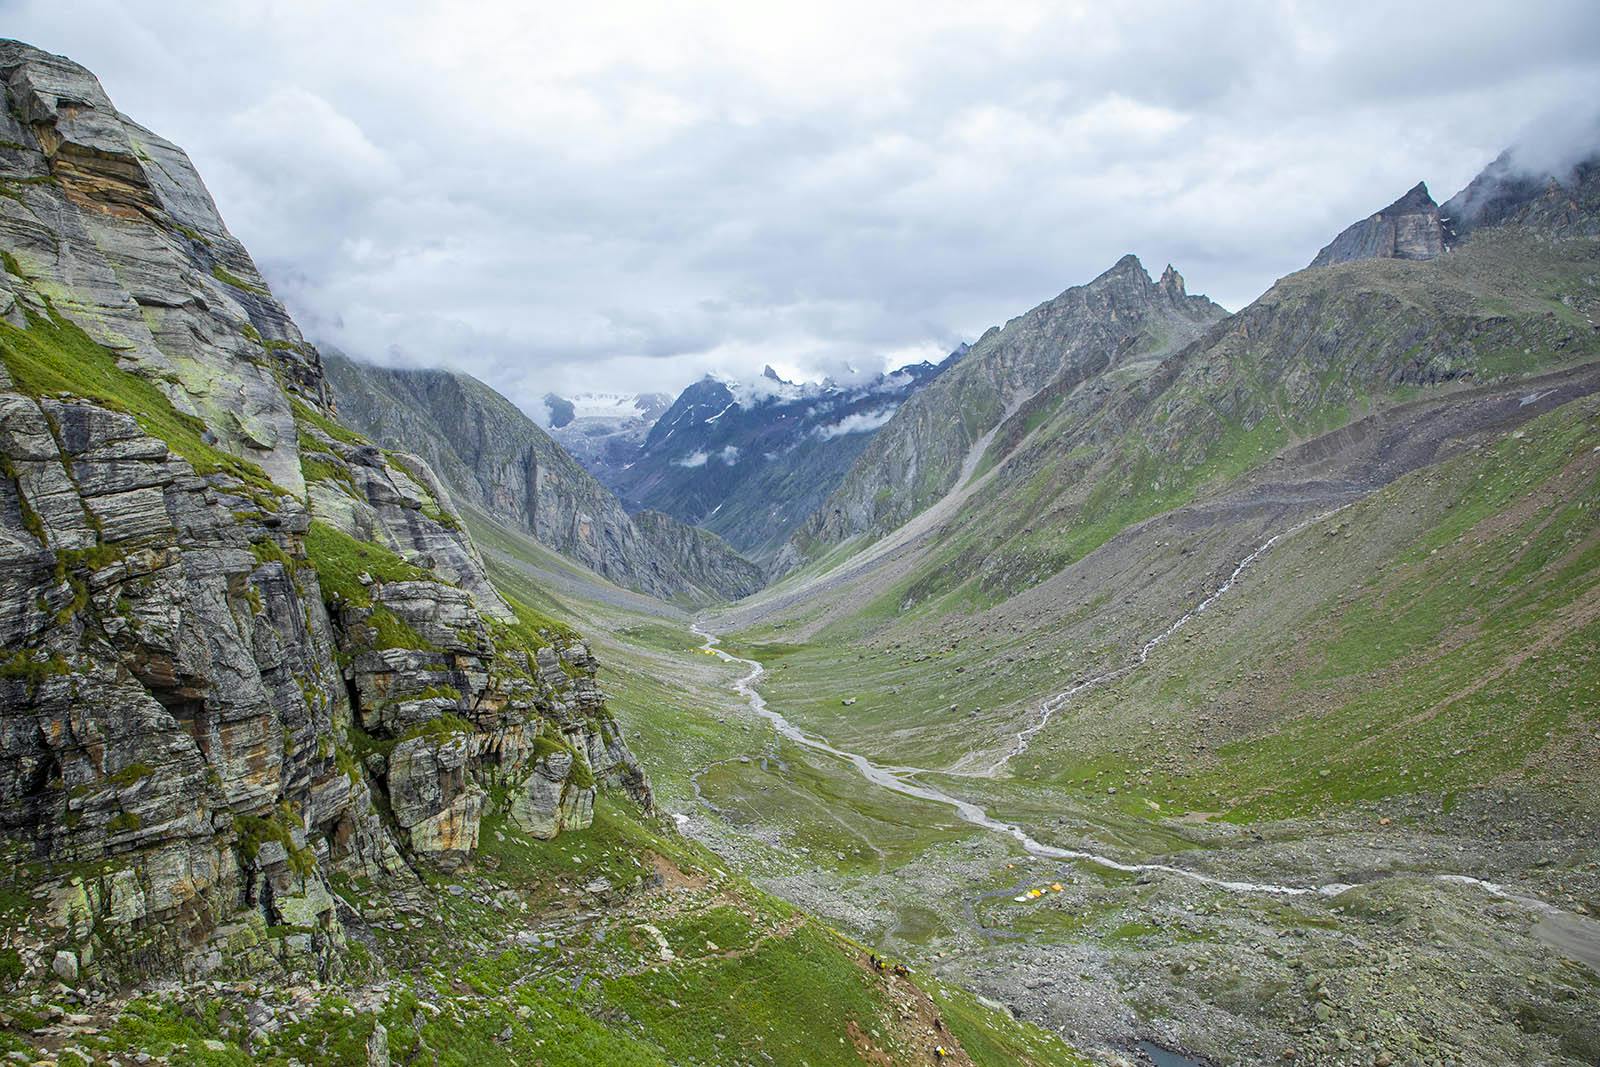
pixel 497 458
pixel 113 223
pixel 1118 318
pixel 241 649
pixel 1409 228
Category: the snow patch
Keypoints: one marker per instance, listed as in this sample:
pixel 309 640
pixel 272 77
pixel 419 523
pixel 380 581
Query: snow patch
pixel 606 406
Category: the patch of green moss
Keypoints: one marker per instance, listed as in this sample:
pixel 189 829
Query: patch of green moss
pixel 133 772
pixel 440 729
pixel 340 560
pixel 92 558
pixel 391 631
pixel 434 692
pixel 164 1029
pixel 256 830
pixel 33 667
pixel 531 631
pixel 309 415
pixel 54 357
pixel 269 551
pixel 124 822
pixel 227 277
pixel 314 469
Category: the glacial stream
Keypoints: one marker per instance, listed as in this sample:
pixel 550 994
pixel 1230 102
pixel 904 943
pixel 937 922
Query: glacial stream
pixel 1571 933
pixel 902 780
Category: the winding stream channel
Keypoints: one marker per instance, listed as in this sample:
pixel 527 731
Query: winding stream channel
pixel 1564 930
pixel 902 780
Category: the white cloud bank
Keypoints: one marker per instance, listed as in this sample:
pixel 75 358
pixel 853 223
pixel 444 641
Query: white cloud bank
pixel 728 455
pixel 859 422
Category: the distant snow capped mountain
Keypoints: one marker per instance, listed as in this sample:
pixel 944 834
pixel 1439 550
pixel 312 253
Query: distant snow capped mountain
pixel 604 431
pixel 619 405
pixel 750 459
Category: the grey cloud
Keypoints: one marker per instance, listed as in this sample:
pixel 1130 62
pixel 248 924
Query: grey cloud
pixel 568 198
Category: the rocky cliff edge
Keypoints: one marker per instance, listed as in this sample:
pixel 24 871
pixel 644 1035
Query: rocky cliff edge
pixel 244 653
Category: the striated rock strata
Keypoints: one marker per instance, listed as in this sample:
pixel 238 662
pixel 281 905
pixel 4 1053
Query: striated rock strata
pixel 243 651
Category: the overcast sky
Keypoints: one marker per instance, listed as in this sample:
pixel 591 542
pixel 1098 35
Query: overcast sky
pixel 593 196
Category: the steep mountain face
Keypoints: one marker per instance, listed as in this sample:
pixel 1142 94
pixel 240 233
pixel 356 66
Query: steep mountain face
pixel 165 285
pixel 751 460
pixel 605 431
pixel 1120 320
pixel 1098 448
pixel 244 653
pixel 1409 228
pixel 492 455
pixel 701 557
pixel 1506 192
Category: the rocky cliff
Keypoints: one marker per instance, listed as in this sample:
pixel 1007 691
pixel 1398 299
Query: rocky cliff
pixel 1508 191
pixel 494 456
pixel 1120 318
pixel 701 557
pixel 1409 228
pixel 243 651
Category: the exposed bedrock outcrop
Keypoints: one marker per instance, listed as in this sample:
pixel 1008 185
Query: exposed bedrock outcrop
pixel 242 650
pixel 1409 228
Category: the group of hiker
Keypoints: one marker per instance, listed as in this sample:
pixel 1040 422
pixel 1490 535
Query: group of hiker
pixel 899 970
pixel 883 966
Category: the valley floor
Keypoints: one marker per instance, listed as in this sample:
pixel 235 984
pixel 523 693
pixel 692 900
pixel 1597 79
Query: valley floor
pixel 1209 864
pixel 1447 865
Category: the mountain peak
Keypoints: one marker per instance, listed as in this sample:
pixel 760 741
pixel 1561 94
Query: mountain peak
pixel 1172 282
pixel 1128 264
pixel 1417 198
pixel 1511 188
pixel 1409 228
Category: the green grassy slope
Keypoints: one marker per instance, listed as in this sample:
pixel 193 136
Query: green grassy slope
pixel 1322 348
pixel 1438 635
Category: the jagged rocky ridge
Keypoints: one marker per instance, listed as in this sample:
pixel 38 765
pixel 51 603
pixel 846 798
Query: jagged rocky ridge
pixel 1111 440
pixel 1204 374
pixel 495 457
pixel 1507 192
pixel 1119 318
pixel 242 650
